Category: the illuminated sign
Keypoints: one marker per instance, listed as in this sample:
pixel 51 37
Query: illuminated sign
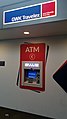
pixel 31 65
pixel 32 12
pixel 22 14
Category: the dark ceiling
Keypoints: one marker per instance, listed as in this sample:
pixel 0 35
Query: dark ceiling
pixel 6 113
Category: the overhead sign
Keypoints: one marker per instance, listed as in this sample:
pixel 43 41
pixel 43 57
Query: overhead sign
pixel 32 12
pixel 48 9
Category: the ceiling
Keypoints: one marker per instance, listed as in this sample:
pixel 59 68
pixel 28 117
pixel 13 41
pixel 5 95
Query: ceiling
pixel 38 30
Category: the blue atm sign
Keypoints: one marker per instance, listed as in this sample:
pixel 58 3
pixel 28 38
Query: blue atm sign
pixel 32 12
pixel 22 14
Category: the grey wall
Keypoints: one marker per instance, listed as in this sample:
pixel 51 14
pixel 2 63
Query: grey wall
pixel 52 102
pixel 1 18
pixel 61 11
pixel 7 2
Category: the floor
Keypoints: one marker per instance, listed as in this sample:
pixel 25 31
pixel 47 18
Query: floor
pixel 6 113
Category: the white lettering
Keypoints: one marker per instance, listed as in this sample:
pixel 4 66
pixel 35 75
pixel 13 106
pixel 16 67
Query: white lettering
pixel 27 50
pixel 31 65
pixel 20 18
pixel 36 49
pixel 48 13
pixel 32 49
pixel 14 19
pixel 31 16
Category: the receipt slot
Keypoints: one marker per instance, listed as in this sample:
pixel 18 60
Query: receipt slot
pixel 32 66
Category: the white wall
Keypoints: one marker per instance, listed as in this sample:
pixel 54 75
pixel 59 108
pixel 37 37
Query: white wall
pixel 52 102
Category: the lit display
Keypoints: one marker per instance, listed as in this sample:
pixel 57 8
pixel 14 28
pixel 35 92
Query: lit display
pixel 31 65
pixel 32 74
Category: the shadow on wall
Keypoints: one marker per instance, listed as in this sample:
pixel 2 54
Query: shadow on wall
pixel 60 76
pixel 6 113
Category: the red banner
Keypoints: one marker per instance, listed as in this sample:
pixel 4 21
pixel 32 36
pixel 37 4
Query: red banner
pixel 32 52
pixel 48 9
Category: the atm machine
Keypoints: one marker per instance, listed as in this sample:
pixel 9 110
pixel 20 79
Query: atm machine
pixel 32 66
pixel 32 73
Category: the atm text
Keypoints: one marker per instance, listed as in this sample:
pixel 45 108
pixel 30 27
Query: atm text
pixel 32 49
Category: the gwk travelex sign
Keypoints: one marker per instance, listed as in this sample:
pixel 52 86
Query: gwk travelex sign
pixel 32 12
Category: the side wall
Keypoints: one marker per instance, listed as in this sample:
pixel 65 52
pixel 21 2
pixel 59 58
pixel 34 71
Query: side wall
pixel 52 102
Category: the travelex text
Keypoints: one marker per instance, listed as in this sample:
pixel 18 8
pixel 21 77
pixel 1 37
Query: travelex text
pixel 32 12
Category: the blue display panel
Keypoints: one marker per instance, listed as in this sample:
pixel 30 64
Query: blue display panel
pixel 32 74
pixel 22 14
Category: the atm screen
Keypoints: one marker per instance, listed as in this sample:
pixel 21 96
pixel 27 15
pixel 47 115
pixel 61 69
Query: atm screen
pixel 32 74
